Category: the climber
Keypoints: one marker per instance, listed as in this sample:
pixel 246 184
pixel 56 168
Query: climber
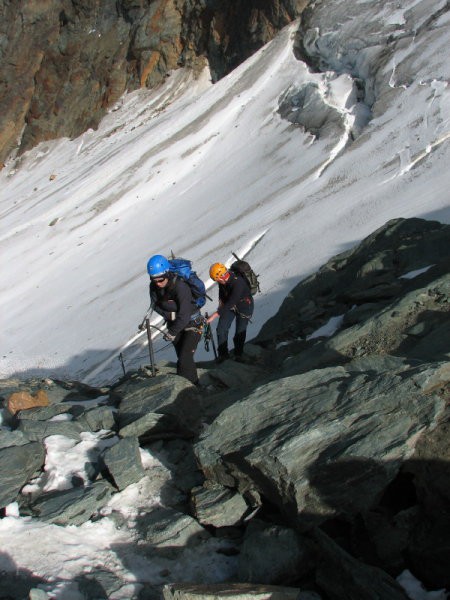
pixel 235 302
pixel 171 297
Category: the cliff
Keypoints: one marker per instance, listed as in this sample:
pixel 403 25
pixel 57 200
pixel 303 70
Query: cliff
pixel 63 64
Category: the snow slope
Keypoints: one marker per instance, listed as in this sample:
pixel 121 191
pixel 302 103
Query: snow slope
pixel 205 170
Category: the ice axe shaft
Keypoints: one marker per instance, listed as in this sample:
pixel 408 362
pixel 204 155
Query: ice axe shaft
pixel 210 335
pixel 150 346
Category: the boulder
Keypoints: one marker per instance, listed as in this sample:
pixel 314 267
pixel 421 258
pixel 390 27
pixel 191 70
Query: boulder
pixel 98 418
pixel 58 391
pixel 154 426
pixel 172 396
pixel 169 531
pixel 429 548
pixel 70 507
pixel 273 554
pixel 24 400
pixel 17 465
pixel 123 461
pixel 44 413
pixel 304 441
pixel 17 583
pixel 12 438
pixel 416 326
pixel 342 576
pixel 39 430
pixel 218 506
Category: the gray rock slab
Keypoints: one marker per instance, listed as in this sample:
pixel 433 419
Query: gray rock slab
pixel 39 430
pixel 234 591
pixel 70 507
pixel 157 426
pixel 12 438
pixel 98 418
pixel 43 413
pixel 123 461
pixel 98 584
pixel 273 554
pixel 169 530
pixel 304 441
pixel 218 506
pixel 342 576
pixel 163 394
pixel 233 374
pixel 17 465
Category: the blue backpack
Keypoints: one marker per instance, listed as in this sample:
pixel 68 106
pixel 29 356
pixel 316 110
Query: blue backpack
pixel 183 268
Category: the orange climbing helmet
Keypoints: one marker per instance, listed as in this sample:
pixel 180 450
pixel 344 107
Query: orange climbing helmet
pixel 217 271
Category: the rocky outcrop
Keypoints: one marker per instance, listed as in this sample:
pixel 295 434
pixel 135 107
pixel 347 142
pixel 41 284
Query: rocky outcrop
pixel 388 295
pixel 320 461
pixel 166 407
pixel 63 64
pixel 349 435
pixel 303 441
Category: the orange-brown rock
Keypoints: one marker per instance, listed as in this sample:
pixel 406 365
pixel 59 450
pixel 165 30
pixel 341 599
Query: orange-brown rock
pixel 24 400
pixel 63 63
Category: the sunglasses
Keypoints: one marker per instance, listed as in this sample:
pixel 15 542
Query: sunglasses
pixel 159 279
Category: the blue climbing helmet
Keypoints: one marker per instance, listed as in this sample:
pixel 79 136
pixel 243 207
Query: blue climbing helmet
pixel 158 265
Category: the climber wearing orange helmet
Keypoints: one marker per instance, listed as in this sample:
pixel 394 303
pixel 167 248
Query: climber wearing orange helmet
pixel 235 302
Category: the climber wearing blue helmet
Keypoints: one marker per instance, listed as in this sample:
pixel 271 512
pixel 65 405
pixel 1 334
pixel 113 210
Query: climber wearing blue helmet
pixel 171 297
pixel 158 265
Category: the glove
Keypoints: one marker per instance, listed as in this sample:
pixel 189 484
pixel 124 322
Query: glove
pixel 169 337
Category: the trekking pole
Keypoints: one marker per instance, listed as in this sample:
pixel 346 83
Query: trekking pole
pixel 122 363
pixel 150 347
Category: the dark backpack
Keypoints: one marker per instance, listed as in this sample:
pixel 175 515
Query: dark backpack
pixel 243 268
pixel 183 268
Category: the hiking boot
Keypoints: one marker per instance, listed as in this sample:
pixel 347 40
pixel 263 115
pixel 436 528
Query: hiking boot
pixel 239 359
pixel 223 353
pixel 243 358
pixel 201 387
pixel 221 359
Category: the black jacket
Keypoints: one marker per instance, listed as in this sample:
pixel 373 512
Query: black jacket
pixel 174 303
pixel 235 295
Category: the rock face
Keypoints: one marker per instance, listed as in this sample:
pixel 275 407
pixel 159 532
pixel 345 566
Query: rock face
pixel 64 63
pixel 320 463
pixel 304 441
pixel 389 295
pixel 351 433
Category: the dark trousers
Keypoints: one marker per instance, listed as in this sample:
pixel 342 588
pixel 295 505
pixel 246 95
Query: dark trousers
pixel 185 346
pixel 223 327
